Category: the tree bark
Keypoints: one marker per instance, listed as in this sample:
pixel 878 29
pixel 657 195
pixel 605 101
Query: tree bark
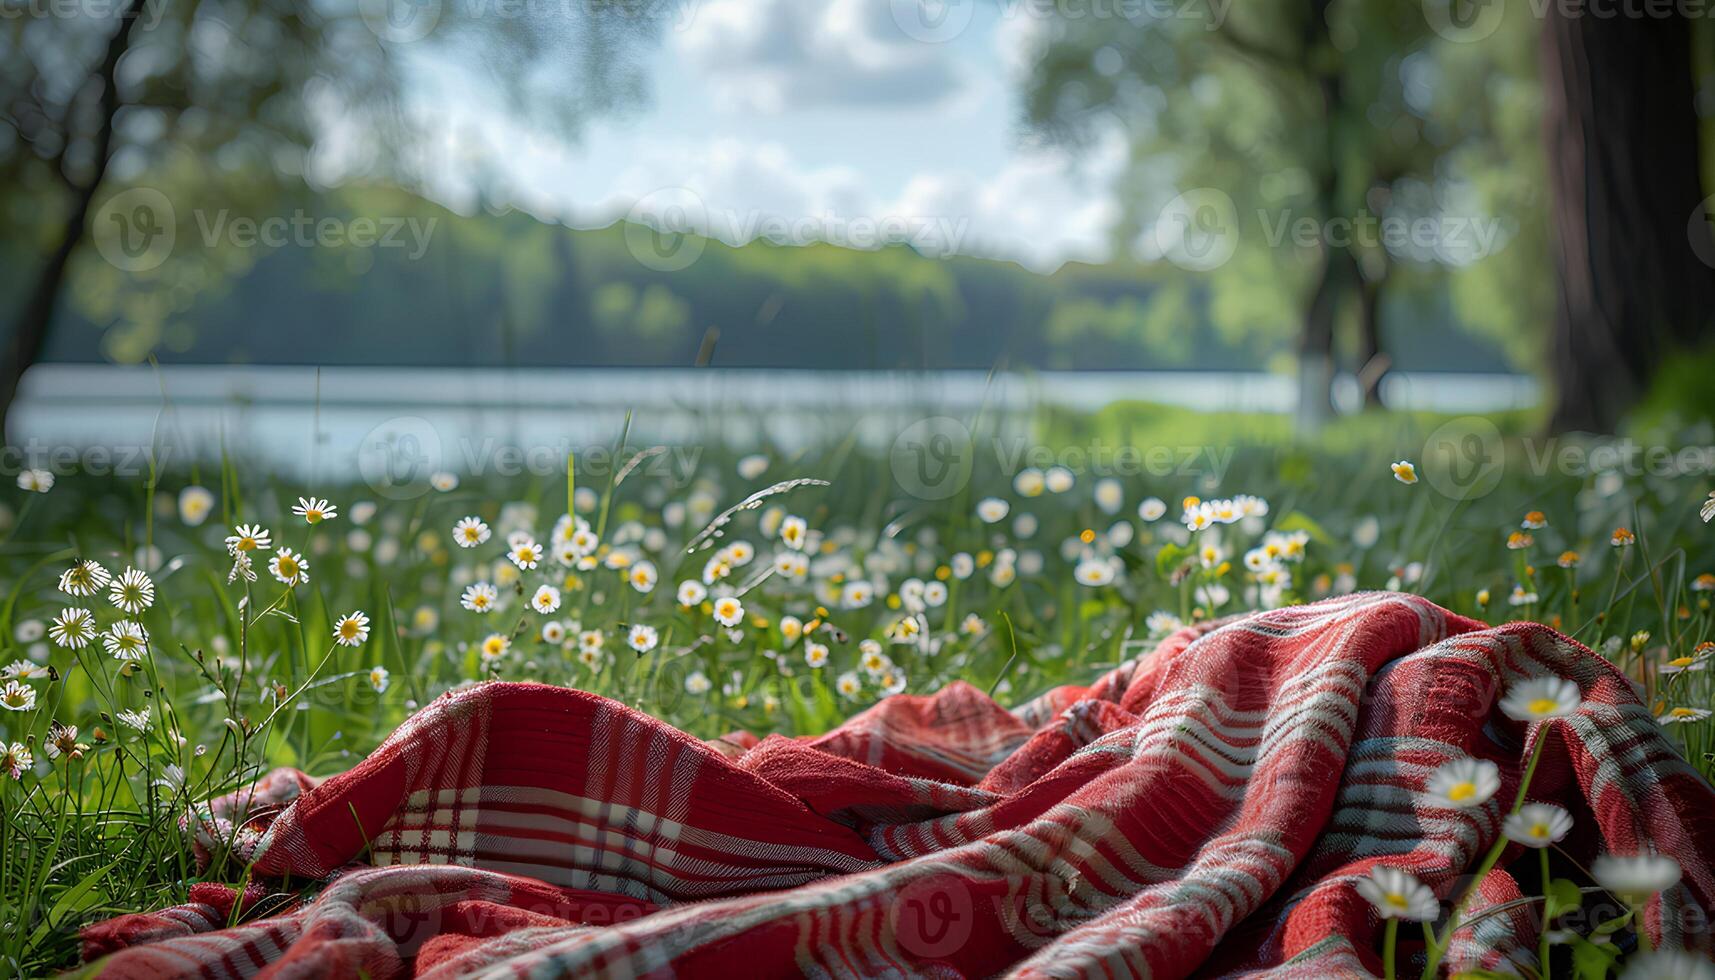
pixel 1634 258
pixel 30 331
pixel 1373 362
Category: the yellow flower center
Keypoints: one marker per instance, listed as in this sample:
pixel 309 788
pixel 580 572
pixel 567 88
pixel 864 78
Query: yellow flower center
pixel 1543 706
pixel 1539 830
pixel 246 544
pixel 1683 713
pixel 1396 900
pixel 1462 791
pixel 348 629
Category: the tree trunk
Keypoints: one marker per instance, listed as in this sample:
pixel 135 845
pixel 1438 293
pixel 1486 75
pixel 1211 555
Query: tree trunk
pixel 31 328
pixel 1633 253
pixel 1316 347
pixel 1373 362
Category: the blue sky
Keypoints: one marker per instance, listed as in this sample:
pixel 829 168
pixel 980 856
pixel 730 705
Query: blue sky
pixel 815 113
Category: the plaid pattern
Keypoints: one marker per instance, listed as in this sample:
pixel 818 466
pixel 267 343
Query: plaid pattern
pixel 1204 808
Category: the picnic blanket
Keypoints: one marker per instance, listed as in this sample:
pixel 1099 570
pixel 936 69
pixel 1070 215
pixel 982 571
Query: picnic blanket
pixel 1202 809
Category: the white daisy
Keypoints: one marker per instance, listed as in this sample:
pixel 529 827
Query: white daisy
pixel 248 537
pixel 643 577
pixel 1093 572
pixel 15 759
pixel 470 532
pixel 1397 895
pixel 315 510
pixel 132 591
pixel 36 481
pixel 378 678
pixel 16 696
pixel 1682 716
pixel 480 597
pixel 793 532
pixel 1464 783
pixel 642 638
pixel 494 646
pixel 848 684
pixel 992 510
pixel 126 640
pixel 728 611
pixel 815 654
pixel 1152 509
pixel 351 629
pixel 697 683
pixel 692 593
pixel 73 628
pixel 546 599
pixel 1635 879
pixel 553 632
pixel 525 553
pixel 1540 698
pixel 195 504
pixel 289 567
pixel 1537 825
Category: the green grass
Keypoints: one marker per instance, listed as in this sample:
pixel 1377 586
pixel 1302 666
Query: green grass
pixel 242 677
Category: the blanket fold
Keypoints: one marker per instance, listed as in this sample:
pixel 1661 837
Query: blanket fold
pixel 1204 808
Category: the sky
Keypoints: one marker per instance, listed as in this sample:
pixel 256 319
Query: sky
pixel 807 120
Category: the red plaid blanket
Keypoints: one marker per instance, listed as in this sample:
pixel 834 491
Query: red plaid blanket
pixel 1204 808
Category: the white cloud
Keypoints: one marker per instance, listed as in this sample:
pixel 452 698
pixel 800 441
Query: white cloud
pixel 774 55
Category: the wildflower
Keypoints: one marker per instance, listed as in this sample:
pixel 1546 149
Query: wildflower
pixel 62 741
pixel 36 481
pixel 1682 716
pixel 84 578
pixel 1541 698
pixel 494 646
pixel 935 594
pixel 692 593
pixel 17 697
pixel 962 565
pixel 1162 622
pixel 1197 517
pixel 351 629
pixel 132 591
pixel 590 641
pixel 137 721
pixel 525 553
pixel 1537 825
pixel 740 553
pixel 643 577
pixel 1698 660
pixel 378 678
pixel 248 537
pixel 195 504
pixel 1483 598
pixel 719 566
pixel 289 568
pixel 973 625
pixel 126 640
pixel 1521 596
pixel 590 658
pixel 314 510
pixel 1635 879
pixel 857 595
pixel 1110 495
pixel 1518 541
pixel 848 684
pixel 1058 479
pixel 1568 559
pixel 73 628
pixel 1397 895
pixel 728 611
pixel 1029 482
pixel 480 597
pixel 15 759
pixel 1534 521
pixel 470 532
pixel 753 466
pixel 444 481
pixel 815 654
pixel 793 531
pixel 1093 572
pixel 992 510
pixel 871 659
pixel 1152 509
pixel 553 632
pixel 642 638
pixel 1464 783
pixel 1622 538
pixel 1405 472
pixel 1703 583
pixel 24 670
pixel 697 683
pixel 1707 511
pixel 905 629
pixel 29 631
pixel 546 599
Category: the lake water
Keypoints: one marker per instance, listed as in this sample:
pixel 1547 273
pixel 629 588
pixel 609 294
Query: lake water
pixel 302 419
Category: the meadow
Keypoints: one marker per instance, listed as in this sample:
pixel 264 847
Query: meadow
pixel 170 636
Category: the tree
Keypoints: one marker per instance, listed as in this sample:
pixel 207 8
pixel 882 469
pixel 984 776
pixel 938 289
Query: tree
pixel 1633 255
pixel 252 97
